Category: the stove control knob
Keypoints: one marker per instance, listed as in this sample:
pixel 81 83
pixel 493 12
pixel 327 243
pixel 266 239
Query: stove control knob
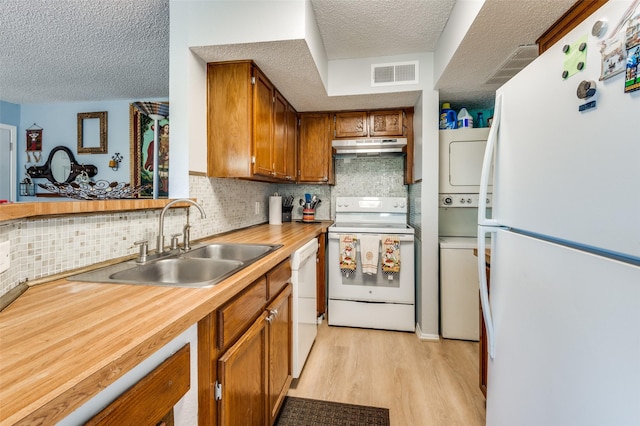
pixel 447 201
pixel 401 204
pixel 462 201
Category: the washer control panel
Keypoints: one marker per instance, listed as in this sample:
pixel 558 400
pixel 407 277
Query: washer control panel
pixel 462 200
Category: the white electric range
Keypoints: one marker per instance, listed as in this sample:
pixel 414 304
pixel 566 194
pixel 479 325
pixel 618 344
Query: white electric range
pixel 375 297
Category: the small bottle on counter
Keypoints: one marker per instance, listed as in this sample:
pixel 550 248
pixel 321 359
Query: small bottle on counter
pixel 480 120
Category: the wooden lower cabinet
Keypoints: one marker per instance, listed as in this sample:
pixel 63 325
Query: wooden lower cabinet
pixel 242 378
pixel 244 381
pixel 279 362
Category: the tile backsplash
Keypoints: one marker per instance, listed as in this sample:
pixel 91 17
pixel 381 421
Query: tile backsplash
pixel 42 247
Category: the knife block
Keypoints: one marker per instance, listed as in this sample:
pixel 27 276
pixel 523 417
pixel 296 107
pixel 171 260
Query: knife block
pixel 286 213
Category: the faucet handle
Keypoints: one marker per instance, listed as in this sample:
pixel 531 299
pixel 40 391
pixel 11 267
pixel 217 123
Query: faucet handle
pixel 174 241
pixel 186 237
pixel 144 250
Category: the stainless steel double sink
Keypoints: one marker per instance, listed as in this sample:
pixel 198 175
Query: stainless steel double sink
pixel 203 266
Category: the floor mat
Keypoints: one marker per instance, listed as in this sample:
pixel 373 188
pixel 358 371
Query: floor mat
pixel 312 412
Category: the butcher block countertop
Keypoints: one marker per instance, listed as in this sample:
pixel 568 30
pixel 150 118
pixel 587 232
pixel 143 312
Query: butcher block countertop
pixel 63 342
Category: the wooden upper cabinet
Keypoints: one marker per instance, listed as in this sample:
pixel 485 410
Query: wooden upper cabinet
pixel 285 134
pixel 279 166
pixel 229 119
pixel 362 124
pixel 315 164
pixel 246 124
pixel 291 163
pixel 352 124
pixel 263 112
pixel 386 123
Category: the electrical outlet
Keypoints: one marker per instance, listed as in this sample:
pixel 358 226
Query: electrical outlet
pixel 257 207
pixel 4 256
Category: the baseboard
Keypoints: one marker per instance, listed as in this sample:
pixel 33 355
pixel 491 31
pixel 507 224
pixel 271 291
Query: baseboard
pixel 426 336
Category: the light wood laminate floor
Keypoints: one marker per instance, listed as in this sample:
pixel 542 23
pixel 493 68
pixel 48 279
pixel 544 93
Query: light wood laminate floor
pixel 422 383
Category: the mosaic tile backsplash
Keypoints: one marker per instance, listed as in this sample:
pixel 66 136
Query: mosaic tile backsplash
pixel 42 247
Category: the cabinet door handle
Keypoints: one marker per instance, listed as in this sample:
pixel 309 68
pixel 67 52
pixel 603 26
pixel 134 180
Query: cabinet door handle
pixel 273 313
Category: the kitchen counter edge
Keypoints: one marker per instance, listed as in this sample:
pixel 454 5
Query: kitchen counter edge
pixel 61 318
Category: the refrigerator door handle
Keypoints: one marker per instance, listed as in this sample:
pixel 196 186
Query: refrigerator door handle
pixel 484 288
pixel 486 165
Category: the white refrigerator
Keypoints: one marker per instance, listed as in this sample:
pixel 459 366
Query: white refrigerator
pixel 563 313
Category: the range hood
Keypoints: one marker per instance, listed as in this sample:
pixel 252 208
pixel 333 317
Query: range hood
pixel 371 147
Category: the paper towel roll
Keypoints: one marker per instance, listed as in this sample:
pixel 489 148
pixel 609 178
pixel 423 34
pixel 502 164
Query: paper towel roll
pixel 275 210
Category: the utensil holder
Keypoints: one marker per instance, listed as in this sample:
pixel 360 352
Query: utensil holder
pixel 308 215
pixel 286 213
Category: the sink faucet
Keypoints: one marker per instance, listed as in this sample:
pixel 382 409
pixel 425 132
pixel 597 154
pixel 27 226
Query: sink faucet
pixel 160 240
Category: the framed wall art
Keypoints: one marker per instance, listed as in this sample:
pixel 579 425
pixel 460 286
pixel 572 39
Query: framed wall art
pixel 142 129
pixel 92 132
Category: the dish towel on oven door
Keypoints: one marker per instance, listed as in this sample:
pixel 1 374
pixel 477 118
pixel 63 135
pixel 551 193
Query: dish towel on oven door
pixel 390 256
pixel 369 246
pixel 347 254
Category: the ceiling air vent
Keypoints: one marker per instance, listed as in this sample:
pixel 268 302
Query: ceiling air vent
pixel 394 74
pixel 519 59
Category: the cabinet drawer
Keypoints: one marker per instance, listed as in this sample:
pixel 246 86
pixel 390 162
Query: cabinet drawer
pixel 278 278
pixel 236 316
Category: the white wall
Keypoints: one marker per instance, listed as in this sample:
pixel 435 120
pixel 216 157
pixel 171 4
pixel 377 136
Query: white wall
pixel 315 44
pixel 59 123
pixel 353 76
pixel 460 20
pixel 428 319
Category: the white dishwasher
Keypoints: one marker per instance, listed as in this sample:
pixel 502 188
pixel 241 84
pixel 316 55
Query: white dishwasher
pixel 459 290
pixel 305 319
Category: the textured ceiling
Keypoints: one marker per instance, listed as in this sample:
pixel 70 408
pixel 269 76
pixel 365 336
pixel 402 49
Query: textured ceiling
pixel 73 50
pixel 369 28
pixel 498 30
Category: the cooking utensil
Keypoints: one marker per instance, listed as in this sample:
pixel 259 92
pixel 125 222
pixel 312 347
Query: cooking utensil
pixel 287 201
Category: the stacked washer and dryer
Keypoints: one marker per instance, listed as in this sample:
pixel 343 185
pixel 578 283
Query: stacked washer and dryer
pixel 461 154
